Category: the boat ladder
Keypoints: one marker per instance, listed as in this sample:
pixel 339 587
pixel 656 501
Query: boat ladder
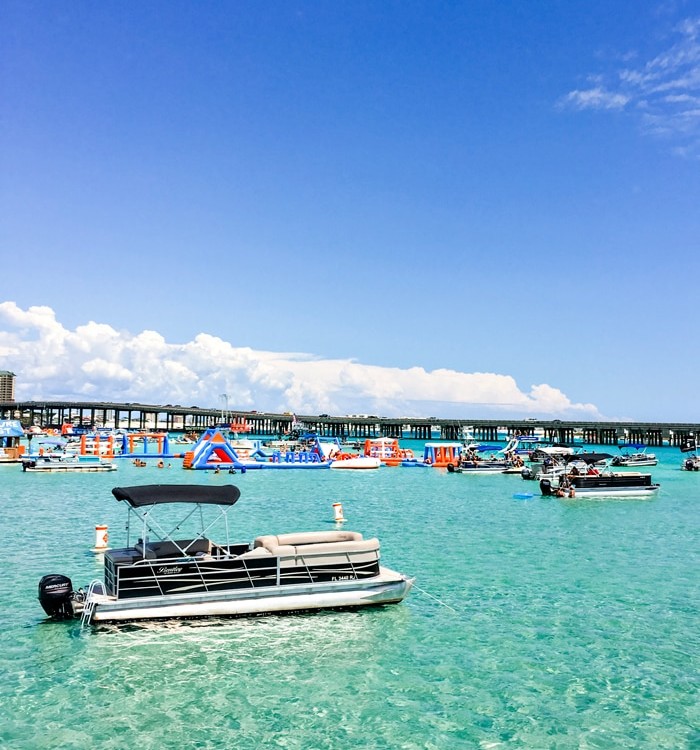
pixel 96 587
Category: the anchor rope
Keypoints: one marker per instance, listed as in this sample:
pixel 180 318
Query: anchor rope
pixel 439 601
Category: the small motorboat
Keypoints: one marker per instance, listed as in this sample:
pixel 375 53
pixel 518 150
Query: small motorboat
pixel 160 577
pixel 692 461
pixel 63 463
pixel 639 457
pixel 478 467
pixel 483 459
pixel 554 451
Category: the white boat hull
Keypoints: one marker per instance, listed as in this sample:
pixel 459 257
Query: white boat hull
pixel 640 462
pixel 358 462
pixel 615 492
pixel 388 587
pixel 480 471
pixel 65 468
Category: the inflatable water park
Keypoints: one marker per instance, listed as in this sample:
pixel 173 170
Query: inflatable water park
pixel 215 451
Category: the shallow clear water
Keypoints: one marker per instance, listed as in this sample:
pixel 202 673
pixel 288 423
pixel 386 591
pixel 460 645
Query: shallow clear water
pixel 537 623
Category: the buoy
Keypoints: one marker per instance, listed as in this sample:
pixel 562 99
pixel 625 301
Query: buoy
pixel 338 513
pixel 101 538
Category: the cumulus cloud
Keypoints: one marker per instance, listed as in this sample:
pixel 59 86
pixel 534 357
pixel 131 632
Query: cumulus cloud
pixel 663 92
pixel 96 362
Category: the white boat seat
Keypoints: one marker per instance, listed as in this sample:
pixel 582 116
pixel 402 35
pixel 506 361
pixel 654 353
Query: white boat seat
pixel 323 553
pixel 257 552
pixel 307 537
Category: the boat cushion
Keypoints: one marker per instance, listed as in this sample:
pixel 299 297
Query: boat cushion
pixel 329 553
pixel 307 537
pixel 257 552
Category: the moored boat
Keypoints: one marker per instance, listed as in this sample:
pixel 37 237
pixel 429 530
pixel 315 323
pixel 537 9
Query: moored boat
pixel 595 483
pixel 639 457
pixel 65 462
pixel 470 467
pixel 11 434
pixel 165 578
pixel 692 461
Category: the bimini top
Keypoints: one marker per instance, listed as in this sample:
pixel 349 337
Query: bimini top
pixel 157 494
pixel 589 458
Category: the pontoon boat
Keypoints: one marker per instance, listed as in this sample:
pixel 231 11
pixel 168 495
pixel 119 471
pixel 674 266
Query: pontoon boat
pixel 159 577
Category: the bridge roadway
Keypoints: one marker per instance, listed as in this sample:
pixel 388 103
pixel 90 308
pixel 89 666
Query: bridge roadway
pixel 145 417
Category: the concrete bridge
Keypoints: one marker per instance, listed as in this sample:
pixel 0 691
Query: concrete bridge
pixel 138 416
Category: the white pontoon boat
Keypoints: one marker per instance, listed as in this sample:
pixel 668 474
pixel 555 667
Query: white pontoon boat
pixel 163 578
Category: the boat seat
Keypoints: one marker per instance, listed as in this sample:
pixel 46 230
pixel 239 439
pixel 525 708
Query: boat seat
pixel 256 552
pixel 325 553
pixel 166 548
pixel 307 537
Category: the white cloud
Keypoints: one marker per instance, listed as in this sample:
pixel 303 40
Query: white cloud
pixel 97 362
pixel 661 92
pixel 595 98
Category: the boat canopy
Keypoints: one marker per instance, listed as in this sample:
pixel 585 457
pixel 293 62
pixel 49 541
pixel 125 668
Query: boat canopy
pixel 11 428
pixel 589 458
pixel 160 494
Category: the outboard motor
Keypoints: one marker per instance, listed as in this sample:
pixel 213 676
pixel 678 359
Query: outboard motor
pixel 546 487
pixel 451 468
pixel 527 473
pixel 56 596
pixel 616 461
pixel 689 465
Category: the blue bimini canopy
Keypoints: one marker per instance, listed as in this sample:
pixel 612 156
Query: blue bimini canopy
pixel 11 428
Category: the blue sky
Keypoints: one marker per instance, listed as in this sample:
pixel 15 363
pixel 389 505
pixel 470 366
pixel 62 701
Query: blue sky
pixel 477 207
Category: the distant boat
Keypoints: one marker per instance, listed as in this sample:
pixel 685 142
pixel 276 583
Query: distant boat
pixel 64 463
pixel 639 458
pixel 11 434
pixel 692 462
pixel 597 483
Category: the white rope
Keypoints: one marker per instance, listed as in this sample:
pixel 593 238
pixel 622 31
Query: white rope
pixel 439 601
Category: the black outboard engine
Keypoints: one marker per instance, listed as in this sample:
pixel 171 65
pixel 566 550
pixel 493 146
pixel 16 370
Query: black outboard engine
pixel 527 473
pixel 616 461
pixel 56 596
pixel 451 468
pixel 689 464
pixel 546 487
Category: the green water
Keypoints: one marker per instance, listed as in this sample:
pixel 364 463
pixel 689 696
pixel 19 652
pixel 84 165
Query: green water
pixel 538 623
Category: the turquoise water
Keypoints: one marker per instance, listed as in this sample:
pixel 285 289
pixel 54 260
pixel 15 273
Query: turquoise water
pixel 538 623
